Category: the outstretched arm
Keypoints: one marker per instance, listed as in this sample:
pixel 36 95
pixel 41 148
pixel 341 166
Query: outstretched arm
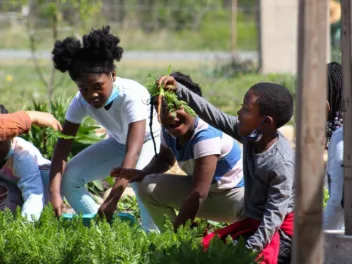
pixel 20 122
pixel 206 111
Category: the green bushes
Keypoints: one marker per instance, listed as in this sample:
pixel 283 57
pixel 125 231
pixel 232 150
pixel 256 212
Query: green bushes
pixel 57 241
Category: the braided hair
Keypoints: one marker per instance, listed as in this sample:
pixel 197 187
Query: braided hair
pixel 95 54
pixel 184 80
pixel 335 117
pixel 151 116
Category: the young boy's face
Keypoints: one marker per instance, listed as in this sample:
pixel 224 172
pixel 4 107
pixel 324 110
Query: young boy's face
pixel 178 125
pixel 249 116
pixel 96 88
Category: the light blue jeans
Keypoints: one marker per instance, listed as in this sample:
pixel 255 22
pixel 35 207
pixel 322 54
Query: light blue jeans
pixel 13 197
pixel 333 216
pixel 95 163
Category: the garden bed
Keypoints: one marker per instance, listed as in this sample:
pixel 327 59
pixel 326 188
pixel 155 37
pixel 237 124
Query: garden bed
pixel 58 241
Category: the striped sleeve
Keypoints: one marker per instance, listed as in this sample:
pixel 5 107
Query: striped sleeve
pixel 207 147
pixel 207 142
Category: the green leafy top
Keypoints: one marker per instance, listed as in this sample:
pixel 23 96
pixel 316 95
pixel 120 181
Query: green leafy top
pixel 51 137
pixel 172 101
pixel 54 134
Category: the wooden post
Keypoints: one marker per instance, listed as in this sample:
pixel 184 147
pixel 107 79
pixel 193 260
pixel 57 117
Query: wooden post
pixel 347 100
pixel 310 131
pixel 233 27
pixel 259 33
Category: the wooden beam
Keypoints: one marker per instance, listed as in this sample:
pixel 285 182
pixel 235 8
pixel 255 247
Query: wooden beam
pixel 347 100
pixel 337 247
pixel 310 131
pixel 233 27
pixel 259 33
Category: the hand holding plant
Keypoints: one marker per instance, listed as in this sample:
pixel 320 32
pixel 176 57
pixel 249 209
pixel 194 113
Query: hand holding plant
pixel 44 119
pixel 168 82
pixel 164 90
pixel 107 209
pixel 131 175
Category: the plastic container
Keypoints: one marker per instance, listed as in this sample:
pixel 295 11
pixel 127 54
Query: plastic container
pixel 86 218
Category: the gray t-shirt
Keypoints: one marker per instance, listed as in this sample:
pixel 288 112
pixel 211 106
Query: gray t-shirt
pixel 268 176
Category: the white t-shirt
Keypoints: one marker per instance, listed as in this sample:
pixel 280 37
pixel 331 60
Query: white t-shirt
pixel 24 160
pixel 131 105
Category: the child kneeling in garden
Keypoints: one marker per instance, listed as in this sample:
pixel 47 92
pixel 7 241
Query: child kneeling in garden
pixel 24 176
pixel 120 105
pixel 213 188
pixel 268 165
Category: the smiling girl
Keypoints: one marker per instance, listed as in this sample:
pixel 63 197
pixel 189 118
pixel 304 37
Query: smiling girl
pixel 120 105
pixel 214 188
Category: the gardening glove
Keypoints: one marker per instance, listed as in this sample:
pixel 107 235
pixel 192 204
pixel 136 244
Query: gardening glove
pixel 131 175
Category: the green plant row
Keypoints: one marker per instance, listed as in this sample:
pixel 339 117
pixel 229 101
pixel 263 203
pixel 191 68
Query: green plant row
pixel 58 241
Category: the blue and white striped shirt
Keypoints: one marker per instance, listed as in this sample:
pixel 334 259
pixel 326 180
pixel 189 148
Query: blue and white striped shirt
pixel 206 141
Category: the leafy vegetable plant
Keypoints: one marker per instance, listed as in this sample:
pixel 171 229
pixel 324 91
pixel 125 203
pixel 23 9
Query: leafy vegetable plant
pixel 53 241
pixel 169 97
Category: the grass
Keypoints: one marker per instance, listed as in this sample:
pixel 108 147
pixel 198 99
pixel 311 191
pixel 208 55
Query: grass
pixel 224 93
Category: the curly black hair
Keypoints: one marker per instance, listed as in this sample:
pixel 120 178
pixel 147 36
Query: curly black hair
pixel 3 109
pixel 95 54
pixel 334 97
pixel 187 82
pixel 275 101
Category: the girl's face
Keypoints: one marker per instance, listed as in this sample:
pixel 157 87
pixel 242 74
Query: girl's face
pixel 96 88
pixel 178 125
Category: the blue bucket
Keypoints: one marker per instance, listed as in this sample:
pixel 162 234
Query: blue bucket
pixel 86 218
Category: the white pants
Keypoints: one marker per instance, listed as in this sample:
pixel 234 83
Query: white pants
pixel 96 162
pixel 11 196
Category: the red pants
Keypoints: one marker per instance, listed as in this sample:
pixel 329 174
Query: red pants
pixel 270 253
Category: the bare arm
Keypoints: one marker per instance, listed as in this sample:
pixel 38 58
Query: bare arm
pixel 58 163
pixel 206 111
pixel 44 119
pixel 202 177
pixel 20 122
pixel 134 144
pixel 165 162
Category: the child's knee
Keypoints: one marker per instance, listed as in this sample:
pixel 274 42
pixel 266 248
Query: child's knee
pixel 146 188
pixel 71 178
